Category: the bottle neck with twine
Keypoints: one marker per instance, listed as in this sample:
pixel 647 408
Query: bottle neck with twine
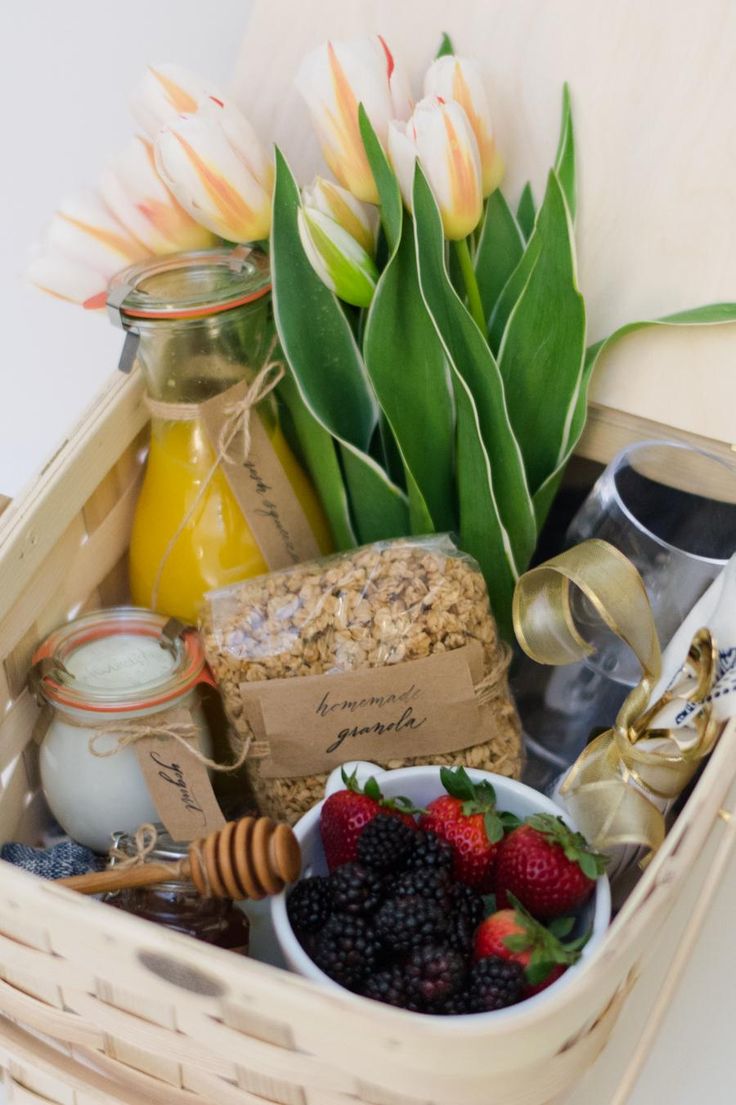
pixel 233 443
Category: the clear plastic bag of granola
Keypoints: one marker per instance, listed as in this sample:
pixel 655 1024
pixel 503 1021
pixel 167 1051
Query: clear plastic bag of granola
pixel 381 604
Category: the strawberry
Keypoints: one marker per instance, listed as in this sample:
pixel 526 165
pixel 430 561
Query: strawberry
pixel 547 866
pixel 345 814
pixel 466 817
pixel 514 934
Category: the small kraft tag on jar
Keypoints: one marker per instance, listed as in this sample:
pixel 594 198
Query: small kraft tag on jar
pixel 177 779
pixel 260 484
pixel 420 708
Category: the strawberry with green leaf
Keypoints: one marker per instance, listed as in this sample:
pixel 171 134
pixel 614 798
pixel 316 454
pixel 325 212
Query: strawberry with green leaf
pixel 467 818
pixel 547 866
pixel 514 934
pixel 346 813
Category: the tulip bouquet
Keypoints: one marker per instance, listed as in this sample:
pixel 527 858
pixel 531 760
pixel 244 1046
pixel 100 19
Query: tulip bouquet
pixel 435 337
pixel 439 370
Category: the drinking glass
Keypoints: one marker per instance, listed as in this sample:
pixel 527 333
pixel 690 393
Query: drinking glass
pixel 671 509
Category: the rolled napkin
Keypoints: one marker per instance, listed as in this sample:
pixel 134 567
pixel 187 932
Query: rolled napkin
pixel 621 787
pixel 59 862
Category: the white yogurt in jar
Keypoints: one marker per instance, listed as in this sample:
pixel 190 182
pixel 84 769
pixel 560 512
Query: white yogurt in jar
pixel 112 666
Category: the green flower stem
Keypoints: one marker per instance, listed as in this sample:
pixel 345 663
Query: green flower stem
pixel 475 303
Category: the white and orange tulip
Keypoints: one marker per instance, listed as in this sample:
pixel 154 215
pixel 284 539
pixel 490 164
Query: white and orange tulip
pixel 216 167
pixel 360 220
pixel 460 79
pixel 441 137
pixel 334 80
pixel 84 247
pixel 137 196
pixel 338 259
pixel 166 92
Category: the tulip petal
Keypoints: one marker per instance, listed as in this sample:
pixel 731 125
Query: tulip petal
pixel 137 196
pixel 340 262
pixel 85 231
pixel 166 92
pixel 66 279
pixel 460 79
pixel 211 181
pixel 334 79
pixel 449 155
pixel 402 152
pixel 358 219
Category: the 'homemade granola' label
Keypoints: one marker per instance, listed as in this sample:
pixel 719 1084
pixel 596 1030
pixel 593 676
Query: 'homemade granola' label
pixel 314 723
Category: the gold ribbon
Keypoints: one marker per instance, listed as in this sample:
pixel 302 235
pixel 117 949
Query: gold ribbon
pixel 614 787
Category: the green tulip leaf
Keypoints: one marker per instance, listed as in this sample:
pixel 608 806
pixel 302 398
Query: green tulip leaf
pixel 326 363
pixel 497 523
pixel 499 250
pixel 407 367
pixel 543 347
pixel 318 451
pixel 712 314
pixel 445 46
pixel 526 211
pixel 380 508
pixel 389 193
pixel 512 290
pixel 565 157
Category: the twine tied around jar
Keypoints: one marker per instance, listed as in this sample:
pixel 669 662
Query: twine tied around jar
pixel 237 421
pixel 184 732
pixel 144 843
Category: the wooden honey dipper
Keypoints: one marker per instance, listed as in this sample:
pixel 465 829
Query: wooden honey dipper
pixel 250 858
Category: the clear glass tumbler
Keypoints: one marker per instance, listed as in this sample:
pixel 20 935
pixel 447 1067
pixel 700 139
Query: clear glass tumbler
pixel 671 509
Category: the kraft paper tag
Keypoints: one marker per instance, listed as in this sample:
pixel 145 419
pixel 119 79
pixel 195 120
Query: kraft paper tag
pixel 312 724
pixel 260 485
pixel 177 780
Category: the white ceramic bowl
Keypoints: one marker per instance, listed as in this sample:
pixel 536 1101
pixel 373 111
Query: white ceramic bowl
pixel 421 785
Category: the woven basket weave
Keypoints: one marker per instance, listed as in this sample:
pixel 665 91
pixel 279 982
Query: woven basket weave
pixel 97 1006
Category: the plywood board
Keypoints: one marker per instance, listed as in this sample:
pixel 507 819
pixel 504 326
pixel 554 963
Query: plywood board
pixel 653 85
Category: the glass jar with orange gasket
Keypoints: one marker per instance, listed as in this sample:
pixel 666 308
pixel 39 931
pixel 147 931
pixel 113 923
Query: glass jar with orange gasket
pixel 200 325
pixel 99 674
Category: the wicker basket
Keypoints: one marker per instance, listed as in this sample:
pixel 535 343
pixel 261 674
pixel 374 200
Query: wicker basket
pixel 97 1006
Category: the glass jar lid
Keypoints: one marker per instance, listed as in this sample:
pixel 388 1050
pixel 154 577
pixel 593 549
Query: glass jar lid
pixel 116 660
pixel 189 285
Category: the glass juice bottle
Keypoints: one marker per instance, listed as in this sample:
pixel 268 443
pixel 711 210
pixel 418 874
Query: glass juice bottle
pixel 203 322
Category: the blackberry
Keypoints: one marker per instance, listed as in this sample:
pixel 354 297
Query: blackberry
pixel 434 974
pixel 389 986
pixel 346 949
pixel 495 983
pixel 385 843
pixel 424 882
pixel 466 913
pixel 309 904
pixel 468 903
pixel 355 888
pixel 457 1004
pixel 430 850
pixel 405 923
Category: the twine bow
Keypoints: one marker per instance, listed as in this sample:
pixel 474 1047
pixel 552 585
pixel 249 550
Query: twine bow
pixel 184 733
pixel 144 843
pixel 237 422
pixel 620 784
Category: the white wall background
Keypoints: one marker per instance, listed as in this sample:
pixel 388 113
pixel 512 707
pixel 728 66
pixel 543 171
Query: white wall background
pixel 66 69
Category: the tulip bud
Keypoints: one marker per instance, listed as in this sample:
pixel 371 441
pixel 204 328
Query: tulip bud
pixel 334 80
pixel 459 79
pixel 440 135
pixel 83 249
pixel 360 220
pixel 166 92
pixel 337 258
pixel 216 167
pixel 137 196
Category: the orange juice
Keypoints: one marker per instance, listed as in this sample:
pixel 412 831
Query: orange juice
pixel 216 546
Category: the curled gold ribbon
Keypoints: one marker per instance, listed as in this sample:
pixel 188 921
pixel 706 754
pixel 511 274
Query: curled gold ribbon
pixel 618 786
